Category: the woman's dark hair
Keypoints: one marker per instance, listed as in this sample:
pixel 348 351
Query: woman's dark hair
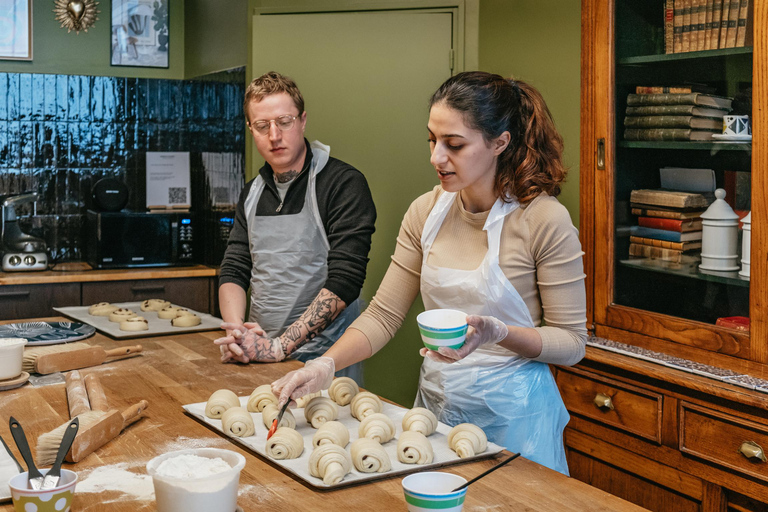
pixel 532 163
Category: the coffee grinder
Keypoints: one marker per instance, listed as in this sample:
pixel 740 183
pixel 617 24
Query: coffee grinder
pixel 21 252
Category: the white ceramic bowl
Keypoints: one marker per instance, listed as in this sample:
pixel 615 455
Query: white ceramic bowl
pixel 58 499
pixel 442 328
pixel 11 356
pixel 430 491
pixel 215 492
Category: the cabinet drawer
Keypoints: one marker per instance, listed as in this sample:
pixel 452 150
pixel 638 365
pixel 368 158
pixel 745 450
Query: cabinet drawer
pixel 192 293
pixel 622 406
pixel 718 438
pixel 34 301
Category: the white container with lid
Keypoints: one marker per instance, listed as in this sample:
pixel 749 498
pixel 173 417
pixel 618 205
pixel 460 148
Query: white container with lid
pixel 746 245
pixel 720 236
pixel 11 357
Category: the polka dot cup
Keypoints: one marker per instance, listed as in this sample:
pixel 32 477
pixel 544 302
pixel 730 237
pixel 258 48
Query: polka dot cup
pixel 58 499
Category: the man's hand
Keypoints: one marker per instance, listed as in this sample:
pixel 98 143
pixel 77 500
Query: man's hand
pixel 246 343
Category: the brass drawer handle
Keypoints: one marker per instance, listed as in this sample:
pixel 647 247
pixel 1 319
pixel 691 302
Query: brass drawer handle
pixel 751 449
pixel 603 401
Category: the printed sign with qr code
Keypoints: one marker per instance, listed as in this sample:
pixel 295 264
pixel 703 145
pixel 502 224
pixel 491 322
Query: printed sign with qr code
pixel 168 181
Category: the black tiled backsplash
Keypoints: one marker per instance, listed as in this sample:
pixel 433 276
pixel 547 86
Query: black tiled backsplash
pixel 59 134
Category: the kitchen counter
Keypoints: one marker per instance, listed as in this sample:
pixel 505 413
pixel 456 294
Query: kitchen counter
pixel 183 369
pixel 80 272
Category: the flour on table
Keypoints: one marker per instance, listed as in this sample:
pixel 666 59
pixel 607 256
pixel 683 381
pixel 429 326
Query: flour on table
pixel 188 466
pixel 117 478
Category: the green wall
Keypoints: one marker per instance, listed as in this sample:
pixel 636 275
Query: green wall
pixel 216 36
pixel 539 41
pixel 88 53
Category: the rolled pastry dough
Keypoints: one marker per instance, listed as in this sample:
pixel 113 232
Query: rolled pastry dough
pixel 421 420
pixel 101 309
pixel 303 401
pixel 186 320
pixel 368 456
pixel 285 443
pixel 414 448
pixel 237 422
pixel 154 304
pixel 270 412
pixel 342 390
pixel 329 462
pixel 170 312
pixel 377 426
pixel 364 404
pixel 219 402
pixel 121 314
pixel 331 432
pixel 134 323
pixel 319 410
pixel 260 397
pixel 467 440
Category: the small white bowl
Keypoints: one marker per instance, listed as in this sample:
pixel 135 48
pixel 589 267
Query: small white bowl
pixel 431 491
pixel 57 499
pixel 442 328
pixel 11 357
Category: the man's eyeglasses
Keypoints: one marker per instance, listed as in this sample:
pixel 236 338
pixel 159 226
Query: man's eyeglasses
pixel 285 122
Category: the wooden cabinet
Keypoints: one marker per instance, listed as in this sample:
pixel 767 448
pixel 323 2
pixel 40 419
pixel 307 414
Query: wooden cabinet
pixel 665 438
pixel 36 300
pixel 192 293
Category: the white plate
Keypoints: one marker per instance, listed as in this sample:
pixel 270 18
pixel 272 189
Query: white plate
pixel 723 136
pixel 299 467
pixel 47 333
pixel 8 470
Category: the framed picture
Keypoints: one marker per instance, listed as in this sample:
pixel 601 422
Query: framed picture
pixel 140 33
pixel 16 29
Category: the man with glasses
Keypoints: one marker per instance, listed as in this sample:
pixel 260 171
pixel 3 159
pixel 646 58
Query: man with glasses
pixel 300 240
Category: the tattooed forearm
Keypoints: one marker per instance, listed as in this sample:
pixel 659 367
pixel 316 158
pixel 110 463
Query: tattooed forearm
pixel 319 315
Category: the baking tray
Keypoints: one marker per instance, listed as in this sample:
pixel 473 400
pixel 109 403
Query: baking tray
pixel 443 456
pixel 157 326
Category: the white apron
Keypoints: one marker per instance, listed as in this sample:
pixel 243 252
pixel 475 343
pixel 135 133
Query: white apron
pixel 513 399
pixel 290 265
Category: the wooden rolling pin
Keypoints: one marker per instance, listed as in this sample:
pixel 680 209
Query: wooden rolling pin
pixel 77 396
pixel 96 395
pixel 82 358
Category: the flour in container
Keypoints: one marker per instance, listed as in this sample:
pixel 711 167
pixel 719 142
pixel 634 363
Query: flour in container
pixel 188 466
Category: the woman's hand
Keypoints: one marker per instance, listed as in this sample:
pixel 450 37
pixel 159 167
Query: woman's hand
pixel 316 375
pixel 483 330
pixel 246 343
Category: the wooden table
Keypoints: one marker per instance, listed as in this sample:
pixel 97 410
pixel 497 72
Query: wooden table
pixel 178 370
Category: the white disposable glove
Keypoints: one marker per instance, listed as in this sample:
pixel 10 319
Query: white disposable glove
pixel 247 343
pixel 316 375
pixel 483 330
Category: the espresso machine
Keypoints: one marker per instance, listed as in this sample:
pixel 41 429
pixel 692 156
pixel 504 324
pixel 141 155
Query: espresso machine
pixel 20 251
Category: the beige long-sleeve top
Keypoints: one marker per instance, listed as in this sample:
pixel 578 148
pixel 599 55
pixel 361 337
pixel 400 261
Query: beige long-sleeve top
pixel 540 254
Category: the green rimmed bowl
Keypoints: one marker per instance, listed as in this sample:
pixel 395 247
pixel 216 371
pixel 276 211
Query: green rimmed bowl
pixel 442 328
pixel 431 491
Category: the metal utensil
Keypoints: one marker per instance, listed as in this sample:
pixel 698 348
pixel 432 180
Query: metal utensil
pixel 54 474
pixel 34 476
pixel 10 453
pixel 276 421
pixel 494 468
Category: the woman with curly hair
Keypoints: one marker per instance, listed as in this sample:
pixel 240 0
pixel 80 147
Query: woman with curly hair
pixel 492 241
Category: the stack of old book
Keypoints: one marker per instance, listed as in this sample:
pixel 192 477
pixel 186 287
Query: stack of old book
pixel 674 115
pixel 668 224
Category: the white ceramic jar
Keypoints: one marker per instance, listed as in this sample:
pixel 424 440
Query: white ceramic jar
pixel 720 236
pixel 746 245
pixel 11 356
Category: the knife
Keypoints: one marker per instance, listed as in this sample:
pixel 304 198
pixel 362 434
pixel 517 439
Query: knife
pixel 54 474
pixel 34 476
pixel 276 421
pixel 10 453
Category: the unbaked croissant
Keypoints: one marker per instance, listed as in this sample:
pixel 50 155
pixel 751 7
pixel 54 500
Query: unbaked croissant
pixel 467 440
pixel 414 448
pixel 421 420
pixel 303 401
pixel 331 432
pixel 260 397
pixel 378 427
pixel 270 412
pixel 330 462
pixel 237 422
pixel 342 390
pixel 285 443
pixel 319 410
pixel 368 456
pixel 219 402
pixel 364 404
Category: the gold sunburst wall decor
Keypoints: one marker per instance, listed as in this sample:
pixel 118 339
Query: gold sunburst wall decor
pixel 76 15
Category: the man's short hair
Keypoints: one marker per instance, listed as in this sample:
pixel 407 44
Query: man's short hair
pixel 272 83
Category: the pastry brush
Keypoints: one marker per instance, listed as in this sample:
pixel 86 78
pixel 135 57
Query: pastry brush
pixel 29 360
pixel 277 419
